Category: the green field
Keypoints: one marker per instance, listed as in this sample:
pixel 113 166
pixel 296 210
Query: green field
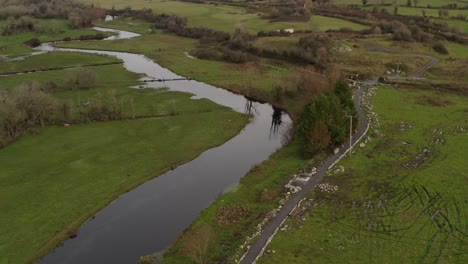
pixel 403 10
pixel 73 172
pixel 424 3
pixel 55 60
pixel 170 51
pixel 455 23
pixel 14 46
pixel 372 64
pixel 226 18
pixel 63 164
pixel 54 178
pixel 387 209
pixel 279 43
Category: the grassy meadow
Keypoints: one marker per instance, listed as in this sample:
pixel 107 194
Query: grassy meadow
pixel 73 172
pixel 255 79
pixel 368 64
pixel 54 30
pixel 226 18
pixel 401 198
pixel 55 60
pixel 63 164
pixel 54 178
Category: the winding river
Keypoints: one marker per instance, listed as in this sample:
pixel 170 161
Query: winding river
pixel 150 217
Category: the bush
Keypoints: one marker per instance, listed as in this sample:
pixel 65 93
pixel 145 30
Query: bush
pixel 402 34
pixel 34 42
pixel 324 122
pixel 22 108
pixel 440 48
pixel 235 56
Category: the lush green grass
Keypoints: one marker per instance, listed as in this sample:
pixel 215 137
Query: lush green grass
pixel 384 212
pixel 279 43
pixel 44 202
pixel 455 23
pixel 451 68
pixel 73 172
pixel 113 78
pixel 14 45
pixel 371 64
pixel 55 60
pixel 128 24
pixel 226 18
pixel 403 10
pixel 224 247
pixel 169 51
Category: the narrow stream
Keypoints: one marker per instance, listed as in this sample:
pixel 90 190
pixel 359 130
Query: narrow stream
pixel 150 217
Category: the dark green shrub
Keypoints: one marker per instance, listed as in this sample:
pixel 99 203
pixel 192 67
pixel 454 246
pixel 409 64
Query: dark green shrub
pixel 440 48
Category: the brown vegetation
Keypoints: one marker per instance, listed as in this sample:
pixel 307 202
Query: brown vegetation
pixel 22 108
pixel 231 214
pixel 197 242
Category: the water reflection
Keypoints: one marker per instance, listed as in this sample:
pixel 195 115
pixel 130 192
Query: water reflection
pixel 249 106
pixel 276 121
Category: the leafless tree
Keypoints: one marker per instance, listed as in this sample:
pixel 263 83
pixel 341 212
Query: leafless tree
pixel 197 243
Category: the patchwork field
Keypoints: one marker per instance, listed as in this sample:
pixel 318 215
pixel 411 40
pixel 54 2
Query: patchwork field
pixel 227 18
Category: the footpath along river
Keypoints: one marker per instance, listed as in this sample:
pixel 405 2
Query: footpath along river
pixel 150 217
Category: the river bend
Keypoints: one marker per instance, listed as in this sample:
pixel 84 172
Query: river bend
pixel 150 217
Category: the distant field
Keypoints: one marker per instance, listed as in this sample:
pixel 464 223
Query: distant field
pixel 226 18
pixel 372 64
pixel 386 211
pixel 423 3
pixel 403 10
pixel 55 60
pixel 462 25
pixel 280 43
pixel 169 51
pixel 14 45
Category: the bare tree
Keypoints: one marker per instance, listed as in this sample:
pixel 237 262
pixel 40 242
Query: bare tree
pixel 197 243
pixel 38 106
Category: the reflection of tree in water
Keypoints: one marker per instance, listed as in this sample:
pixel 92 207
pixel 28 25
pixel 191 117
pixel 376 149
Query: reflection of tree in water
pixel 249 107
pixel 276 120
